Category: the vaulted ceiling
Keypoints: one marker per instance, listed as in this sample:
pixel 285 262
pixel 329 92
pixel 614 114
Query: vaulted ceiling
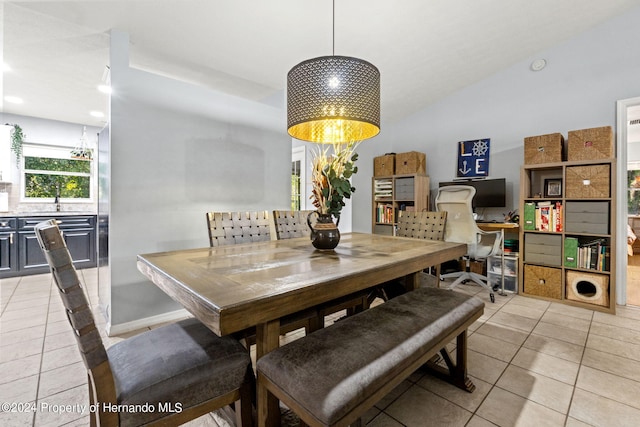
pixel 57 51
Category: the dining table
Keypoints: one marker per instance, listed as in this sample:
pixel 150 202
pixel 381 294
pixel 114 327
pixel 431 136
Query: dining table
pixel 235 288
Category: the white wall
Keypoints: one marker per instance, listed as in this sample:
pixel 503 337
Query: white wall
pixel 178 151
pixel 578 89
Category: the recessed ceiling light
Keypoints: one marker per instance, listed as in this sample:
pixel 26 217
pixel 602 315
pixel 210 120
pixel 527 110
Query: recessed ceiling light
pixel 538 64
pixel 97 113
pixel 14 99
pixel 104 89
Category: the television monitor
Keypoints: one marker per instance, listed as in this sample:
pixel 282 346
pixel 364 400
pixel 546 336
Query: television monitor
pixel 490 193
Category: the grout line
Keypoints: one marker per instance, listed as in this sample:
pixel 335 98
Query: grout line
pixel 575 383
pixel 499 309
pixel 44 340
pixel 10 296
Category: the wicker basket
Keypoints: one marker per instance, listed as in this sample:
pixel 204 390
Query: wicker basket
pixel 384 165
pixel 412 162
pixel 588 182
pixel 588 287
pixel 543 281
pixel 590 144
pixel 543 149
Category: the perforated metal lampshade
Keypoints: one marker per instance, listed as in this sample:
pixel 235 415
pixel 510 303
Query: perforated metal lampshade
pixel 333 99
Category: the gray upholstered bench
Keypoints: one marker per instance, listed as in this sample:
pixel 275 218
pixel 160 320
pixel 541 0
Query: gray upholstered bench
pixel 332 376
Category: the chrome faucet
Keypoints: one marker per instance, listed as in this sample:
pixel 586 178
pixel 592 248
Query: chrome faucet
pixel 57 199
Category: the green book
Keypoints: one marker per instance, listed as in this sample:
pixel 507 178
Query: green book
pixel 571 252
pixel 529 216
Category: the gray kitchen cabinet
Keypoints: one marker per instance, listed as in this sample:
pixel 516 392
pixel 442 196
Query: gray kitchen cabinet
pixel 79 233
pixel 8 246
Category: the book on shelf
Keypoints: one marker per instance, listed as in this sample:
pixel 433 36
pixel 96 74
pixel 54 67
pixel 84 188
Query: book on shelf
pixel 529 216
pixel 406 208
pixel 571 252
pixel 385 213
pixel 594 255
pixel 543 216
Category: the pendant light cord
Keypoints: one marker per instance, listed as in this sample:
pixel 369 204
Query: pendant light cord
pixel 333 36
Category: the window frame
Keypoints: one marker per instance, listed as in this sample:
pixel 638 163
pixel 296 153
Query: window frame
pixel 299 154
pixel 58 152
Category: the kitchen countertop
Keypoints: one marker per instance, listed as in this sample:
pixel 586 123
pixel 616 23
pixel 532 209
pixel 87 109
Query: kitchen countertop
pixel 45 214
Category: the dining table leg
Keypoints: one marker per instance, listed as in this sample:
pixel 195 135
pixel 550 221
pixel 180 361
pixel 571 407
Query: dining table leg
pixel 267 405
pixel 412 281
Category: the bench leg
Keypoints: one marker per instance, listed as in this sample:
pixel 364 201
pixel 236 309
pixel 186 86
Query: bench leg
pixel 457 372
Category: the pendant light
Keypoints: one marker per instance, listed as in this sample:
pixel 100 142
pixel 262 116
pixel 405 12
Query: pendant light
pixel 82 151
pixel 333 99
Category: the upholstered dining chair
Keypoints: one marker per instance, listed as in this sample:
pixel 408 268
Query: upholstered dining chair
pixel 461 227
pixel 229 228
pixel 289 224
pixel 422 225
pixel 418 225
pixel 182 370
pixel 292 224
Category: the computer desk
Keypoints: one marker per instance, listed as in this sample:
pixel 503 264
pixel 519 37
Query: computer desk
pixel 503 227
pixel 508 227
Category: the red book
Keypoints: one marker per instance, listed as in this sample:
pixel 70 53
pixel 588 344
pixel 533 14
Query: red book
pixel 545 218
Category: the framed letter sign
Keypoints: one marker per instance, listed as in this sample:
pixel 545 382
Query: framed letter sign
pixel 473 158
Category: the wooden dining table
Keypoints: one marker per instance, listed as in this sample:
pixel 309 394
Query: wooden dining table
pixel 255 285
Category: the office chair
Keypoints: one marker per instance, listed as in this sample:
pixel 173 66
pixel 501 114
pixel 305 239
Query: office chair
pixel 462 228
pixel 183 363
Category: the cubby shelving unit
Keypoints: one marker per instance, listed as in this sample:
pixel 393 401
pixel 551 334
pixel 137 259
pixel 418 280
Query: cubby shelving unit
pixel 573 260
pixel 395 193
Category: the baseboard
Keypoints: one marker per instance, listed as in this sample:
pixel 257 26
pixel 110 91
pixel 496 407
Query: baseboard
pixel 123 328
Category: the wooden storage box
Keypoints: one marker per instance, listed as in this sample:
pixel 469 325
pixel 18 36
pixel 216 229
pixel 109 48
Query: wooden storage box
pixel 412 162
pixel 590 144
pixel 543 149
pixel 543 249
pixel 384 165
pixel 543 281
pixel 588 182
pixel 588 287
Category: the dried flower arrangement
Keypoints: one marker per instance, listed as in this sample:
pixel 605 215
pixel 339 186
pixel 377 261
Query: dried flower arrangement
pixel 332 166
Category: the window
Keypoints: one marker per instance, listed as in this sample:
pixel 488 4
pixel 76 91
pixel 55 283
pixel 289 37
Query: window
pixel 297 178
pixel 295 185
pixel 49 171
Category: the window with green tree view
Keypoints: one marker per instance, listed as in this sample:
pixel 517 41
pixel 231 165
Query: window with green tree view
pixel 47 174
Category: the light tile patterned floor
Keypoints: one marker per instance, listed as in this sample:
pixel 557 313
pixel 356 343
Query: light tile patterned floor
pixel 633 279
pixel 534 363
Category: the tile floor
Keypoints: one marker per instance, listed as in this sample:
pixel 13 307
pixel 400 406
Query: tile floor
pixel 633 280
pixel 534 363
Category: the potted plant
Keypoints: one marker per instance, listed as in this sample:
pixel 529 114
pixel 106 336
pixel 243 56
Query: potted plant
pixel 17 138
pixel 332 167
